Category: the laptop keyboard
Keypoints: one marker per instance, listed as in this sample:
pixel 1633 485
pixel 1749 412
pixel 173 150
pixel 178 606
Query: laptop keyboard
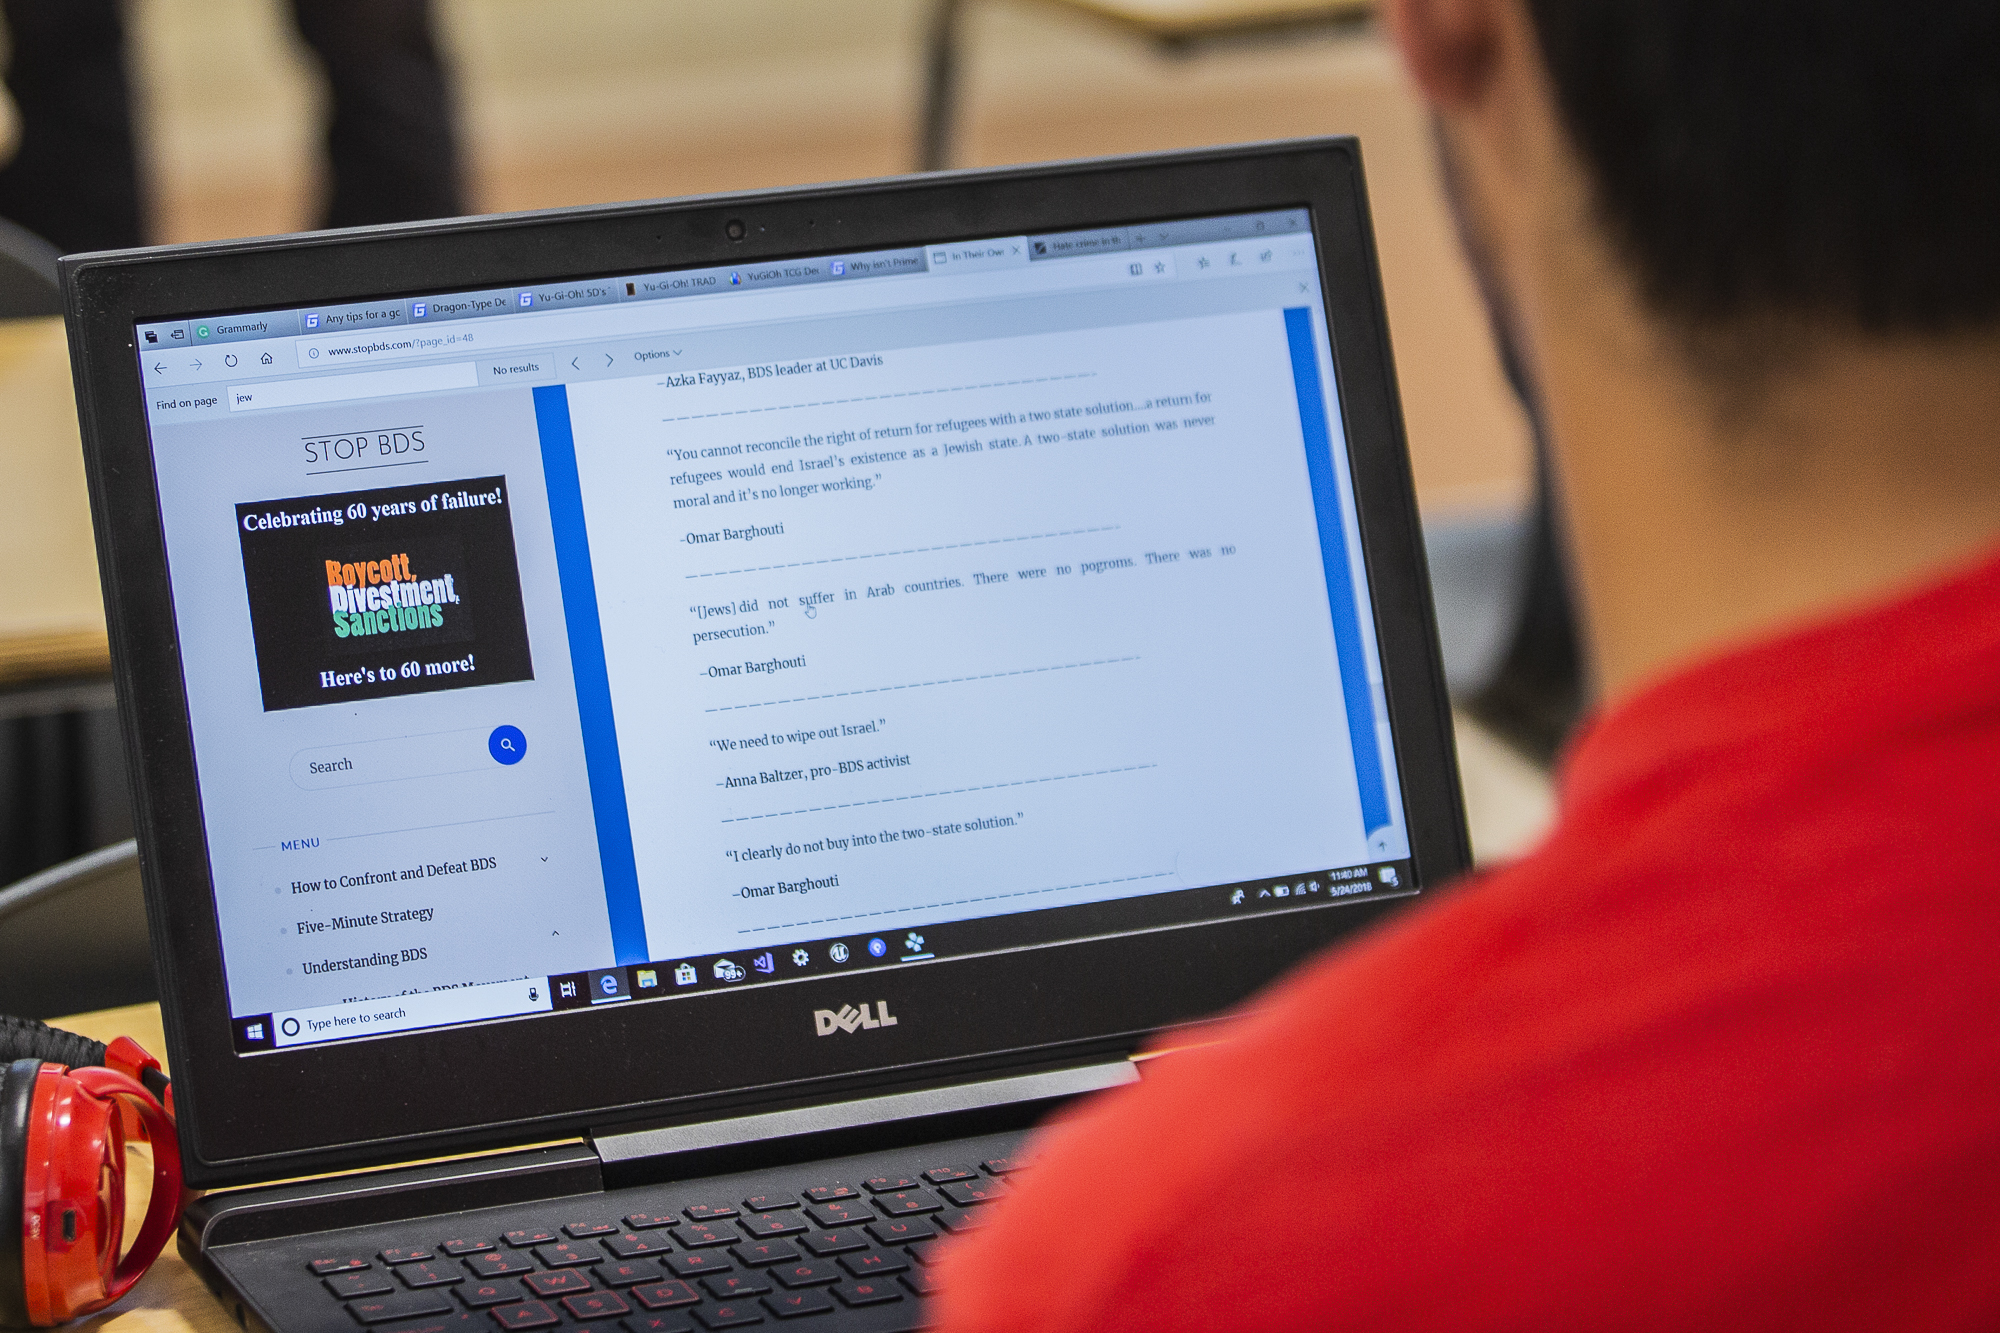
pixel 687 1265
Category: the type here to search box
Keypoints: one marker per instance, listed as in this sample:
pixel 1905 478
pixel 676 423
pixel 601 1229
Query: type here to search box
pixel 344 388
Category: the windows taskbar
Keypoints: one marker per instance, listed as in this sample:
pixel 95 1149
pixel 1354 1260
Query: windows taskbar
pixel 764 964
pixel 795 960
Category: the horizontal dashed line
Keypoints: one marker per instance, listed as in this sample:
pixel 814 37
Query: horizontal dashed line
pixel 879 397
pixel 957 902
pixel 923 684
pixel 914 550
pixel 925 795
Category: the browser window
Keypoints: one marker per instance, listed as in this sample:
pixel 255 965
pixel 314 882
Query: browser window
pixel 614 640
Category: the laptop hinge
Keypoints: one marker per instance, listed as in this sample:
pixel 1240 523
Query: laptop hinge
pixel 774 1138
pixel 394 1194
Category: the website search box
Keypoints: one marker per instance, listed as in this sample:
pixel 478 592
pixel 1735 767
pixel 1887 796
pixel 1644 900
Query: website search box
pixel 343 388
pixel 394 759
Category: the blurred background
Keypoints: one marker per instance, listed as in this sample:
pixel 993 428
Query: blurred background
pixel 565 103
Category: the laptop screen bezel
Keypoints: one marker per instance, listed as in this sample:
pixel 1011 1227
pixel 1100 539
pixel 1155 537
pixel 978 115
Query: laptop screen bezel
pixel 431 1092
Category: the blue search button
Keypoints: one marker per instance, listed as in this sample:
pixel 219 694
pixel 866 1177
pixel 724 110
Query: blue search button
pixel 507 745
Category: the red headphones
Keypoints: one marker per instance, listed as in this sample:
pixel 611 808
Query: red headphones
pixel 68 1105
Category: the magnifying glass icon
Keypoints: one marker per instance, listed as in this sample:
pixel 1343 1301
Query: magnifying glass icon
pixel 507 745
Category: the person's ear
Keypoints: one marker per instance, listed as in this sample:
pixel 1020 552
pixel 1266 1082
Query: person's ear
pixel 1451 47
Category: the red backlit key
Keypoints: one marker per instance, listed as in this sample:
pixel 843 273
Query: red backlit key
pixel 735 1286
pixel 809 1274
pixel 973 1191
pixel 568 1254
pixel 868 1293
pixel 665 1295
pixel 898 1230
pixel 790 1304
pixel 480 1295
pixel 347 1286
pixel 630 1246
pixel 874 1262
pixel 527 1236
pixel 323 1267
pixel 695 1235
pixel 905 1202
pixel 407 1305
pixel 557 1283
pixel 596 1305
pixel 828 1193
pixel 528 1314
pixel 498 1263
pixel 839 1214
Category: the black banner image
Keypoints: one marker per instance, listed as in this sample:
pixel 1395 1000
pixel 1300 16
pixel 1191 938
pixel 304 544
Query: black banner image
pixel 393 591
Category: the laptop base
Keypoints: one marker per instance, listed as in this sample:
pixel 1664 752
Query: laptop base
pixel 846 1241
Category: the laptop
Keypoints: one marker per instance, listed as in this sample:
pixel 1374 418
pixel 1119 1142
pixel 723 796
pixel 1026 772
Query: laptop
pixel 667 736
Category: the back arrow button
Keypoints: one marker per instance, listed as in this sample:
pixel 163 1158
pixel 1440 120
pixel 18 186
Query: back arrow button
pixel 573 365
pixel 159 367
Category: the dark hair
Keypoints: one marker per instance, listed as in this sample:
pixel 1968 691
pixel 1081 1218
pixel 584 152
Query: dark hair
pixel 1791 160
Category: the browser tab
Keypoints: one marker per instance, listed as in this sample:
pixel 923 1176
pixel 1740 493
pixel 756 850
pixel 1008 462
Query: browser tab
pixel 462 305
pixel 241 328
pixel 879 264
pixel 788 272
pixel 688 282
pixel 979 256
pixel 360 315
pixel 1062 245
pixel 565 295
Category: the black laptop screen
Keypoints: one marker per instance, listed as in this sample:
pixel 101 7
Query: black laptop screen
pixel 618 640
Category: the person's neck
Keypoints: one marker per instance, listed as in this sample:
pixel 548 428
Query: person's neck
pixel 1863 468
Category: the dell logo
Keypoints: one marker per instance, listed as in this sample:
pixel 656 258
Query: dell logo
pixel 849 1018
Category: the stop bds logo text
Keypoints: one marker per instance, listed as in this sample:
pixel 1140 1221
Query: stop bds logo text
pixel 365 446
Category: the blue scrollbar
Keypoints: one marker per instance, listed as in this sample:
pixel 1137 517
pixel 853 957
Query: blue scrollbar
pixel 1347 641
pixel 593 682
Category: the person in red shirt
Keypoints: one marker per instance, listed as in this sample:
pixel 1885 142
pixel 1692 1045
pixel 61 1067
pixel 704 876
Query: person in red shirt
pixel 1724 1052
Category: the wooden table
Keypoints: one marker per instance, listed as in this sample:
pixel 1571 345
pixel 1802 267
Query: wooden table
pixel 1178 27
pixel 170 1298
pixel 51 611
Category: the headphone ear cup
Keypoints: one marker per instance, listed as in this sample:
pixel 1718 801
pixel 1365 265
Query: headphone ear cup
pixel 17 1096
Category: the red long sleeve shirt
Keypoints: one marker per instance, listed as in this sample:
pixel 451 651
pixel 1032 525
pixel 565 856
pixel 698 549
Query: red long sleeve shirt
pixel 1723 1053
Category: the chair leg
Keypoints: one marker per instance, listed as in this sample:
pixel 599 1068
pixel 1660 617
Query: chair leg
pixel 940 106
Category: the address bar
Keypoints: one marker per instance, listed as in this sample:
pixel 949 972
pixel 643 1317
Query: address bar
pixel 597 323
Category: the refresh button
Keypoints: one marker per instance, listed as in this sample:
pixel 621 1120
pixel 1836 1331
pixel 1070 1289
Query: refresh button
pixel 507 745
